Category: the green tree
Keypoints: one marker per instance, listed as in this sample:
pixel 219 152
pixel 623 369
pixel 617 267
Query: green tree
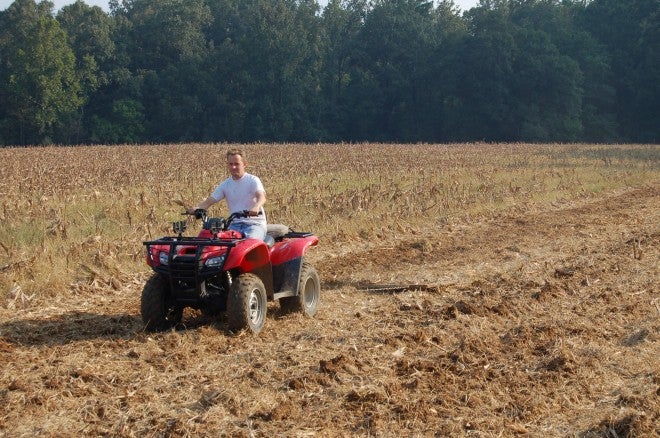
pixel 450 30
pixel 166 48
pixel 517 78
pixel 38 82
pixel 90 32
pixel 479 107
pixel 160 33
pixel 546 91
pixel 647 77
pixel 124 124
pixel 266 67
pixel 629 31
pixel 341 25
pixel 395 49
pixel 559 21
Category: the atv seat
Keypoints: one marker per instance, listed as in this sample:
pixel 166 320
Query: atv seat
pixel 275 232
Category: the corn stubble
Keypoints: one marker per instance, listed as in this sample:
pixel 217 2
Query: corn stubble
pixel 468 290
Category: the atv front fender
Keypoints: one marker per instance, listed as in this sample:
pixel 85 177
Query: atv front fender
pixel 251 255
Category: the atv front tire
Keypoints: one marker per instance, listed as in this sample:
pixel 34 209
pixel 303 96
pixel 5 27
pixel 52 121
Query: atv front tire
pixel 309 293
pixel 247 304
pixel 158 312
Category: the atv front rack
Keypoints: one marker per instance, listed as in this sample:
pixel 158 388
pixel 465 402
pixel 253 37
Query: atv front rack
pixel 187 272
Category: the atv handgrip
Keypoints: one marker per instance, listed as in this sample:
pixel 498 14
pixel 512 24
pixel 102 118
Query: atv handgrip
pixel 198 213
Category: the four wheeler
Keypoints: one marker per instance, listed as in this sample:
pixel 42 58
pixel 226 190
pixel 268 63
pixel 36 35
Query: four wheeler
pixel 221 270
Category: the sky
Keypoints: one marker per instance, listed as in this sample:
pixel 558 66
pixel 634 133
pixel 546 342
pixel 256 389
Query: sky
pixel 4 4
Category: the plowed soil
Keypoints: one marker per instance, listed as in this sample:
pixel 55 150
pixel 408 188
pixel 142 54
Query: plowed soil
pixel 539 323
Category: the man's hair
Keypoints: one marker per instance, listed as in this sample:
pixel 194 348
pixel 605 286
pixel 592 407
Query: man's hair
pixel 236 151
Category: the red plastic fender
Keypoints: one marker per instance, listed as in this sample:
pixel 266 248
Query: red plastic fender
pixel 248 255
pixel 290 249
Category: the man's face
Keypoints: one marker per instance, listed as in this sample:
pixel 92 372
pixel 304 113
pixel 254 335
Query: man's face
pixel 236 166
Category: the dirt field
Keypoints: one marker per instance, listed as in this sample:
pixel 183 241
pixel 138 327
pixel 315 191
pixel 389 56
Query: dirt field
pixel 539 323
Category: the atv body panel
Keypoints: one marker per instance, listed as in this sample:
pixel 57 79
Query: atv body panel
pixel 199 271
pixel 286 257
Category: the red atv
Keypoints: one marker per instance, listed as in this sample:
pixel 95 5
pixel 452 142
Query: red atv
pixel 222 271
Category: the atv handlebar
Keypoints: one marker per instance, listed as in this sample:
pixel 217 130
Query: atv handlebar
pixel 242 214
pixel 200 213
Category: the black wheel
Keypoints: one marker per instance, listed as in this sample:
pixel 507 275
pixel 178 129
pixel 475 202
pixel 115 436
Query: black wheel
pixel 158 312
pixel 247 303
pixel 309 293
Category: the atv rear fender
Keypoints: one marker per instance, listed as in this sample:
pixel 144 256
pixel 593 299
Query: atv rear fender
pixel 286 259
pixel 290 249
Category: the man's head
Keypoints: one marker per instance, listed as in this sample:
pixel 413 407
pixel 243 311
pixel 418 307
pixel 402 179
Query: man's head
pixel 236 163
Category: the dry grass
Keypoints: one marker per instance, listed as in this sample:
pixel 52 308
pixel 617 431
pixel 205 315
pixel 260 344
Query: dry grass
pixel 535 310
pixel 78 215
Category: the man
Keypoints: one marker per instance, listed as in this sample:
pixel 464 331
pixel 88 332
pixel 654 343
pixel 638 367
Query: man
pixel 242 191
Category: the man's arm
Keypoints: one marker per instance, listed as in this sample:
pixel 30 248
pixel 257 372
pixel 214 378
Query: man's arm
pixel 260 200
pixel 204 205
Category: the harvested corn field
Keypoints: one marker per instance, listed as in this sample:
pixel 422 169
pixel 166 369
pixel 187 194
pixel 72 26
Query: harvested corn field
pixel 468 290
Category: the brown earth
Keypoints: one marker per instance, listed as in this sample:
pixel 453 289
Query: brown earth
pixel 540 323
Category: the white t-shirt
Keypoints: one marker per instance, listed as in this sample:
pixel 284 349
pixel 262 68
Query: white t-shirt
pixel 241 195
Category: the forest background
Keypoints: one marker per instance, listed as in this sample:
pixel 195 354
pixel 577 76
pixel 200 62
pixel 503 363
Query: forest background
pixel 161 71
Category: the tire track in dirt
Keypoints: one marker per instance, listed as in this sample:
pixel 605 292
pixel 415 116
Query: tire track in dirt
pixel 543 323
pixel 467 252
pixel 523 305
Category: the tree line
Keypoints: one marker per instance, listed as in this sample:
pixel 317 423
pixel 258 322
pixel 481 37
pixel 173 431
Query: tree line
pixel 163 71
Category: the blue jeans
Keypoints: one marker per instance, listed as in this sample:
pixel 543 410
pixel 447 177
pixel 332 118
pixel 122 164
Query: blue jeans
pixel 253 231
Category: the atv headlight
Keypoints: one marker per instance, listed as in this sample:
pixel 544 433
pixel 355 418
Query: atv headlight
pixel 215 262
pixel 163 258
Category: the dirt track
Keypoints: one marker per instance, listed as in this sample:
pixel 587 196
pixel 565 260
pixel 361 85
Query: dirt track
pixel 540 323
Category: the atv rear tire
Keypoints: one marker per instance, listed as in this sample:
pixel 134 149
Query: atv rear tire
pixel 158 312
pixel 309 293
pixel 247 304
